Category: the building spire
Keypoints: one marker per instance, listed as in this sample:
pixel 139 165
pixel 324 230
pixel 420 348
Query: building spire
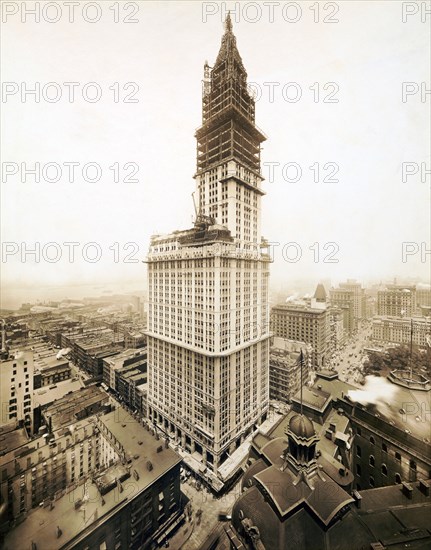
pixel 228 50
pixel 228 23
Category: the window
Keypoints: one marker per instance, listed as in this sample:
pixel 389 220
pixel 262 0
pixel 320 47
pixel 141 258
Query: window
pixel 384 448
pixel 384 470
pixel 412 464
pixel 358 470
pixel 372 461
pixel 372 484
pixel 358 431
pixel 358 450
pixel 372 440
pixel 397 479
pixel 397 456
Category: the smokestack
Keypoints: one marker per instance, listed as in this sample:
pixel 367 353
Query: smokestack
pixel 3 353
pixel 3 336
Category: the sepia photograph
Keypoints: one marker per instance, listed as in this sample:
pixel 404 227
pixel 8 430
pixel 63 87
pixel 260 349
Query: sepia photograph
pixel 215 305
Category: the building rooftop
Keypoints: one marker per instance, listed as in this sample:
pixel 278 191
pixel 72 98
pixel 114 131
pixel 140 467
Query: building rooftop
pixel 67 409
pixel 40 527
pixel 405 409
pixel 48 394
pixel 50 363
pixel 129 356
pixel 281 509
pixel 313 398
pixel 11 438
pixel 296 307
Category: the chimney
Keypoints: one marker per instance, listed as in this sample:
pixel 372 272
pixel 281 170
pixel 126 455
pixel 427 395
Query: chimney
pixel 357 496
pixel 407 490
pixel 3 336
pixel 424 487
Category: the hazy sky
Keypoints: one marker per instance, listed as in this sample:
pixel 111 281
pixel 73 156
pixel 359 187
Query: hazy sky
pixel 367 134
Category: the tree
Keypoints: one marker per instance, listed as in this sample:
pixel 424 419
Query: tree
pixel 398 358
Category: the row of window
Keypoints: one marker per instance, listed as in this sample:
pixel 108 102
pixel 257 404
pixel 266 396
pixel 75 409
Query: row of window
pixel 371 479
pixel 412 463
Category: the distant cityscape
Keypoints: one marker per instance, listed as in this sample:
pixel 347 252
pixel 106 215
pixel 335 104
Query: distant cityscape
pixel 75 379
pixel 210 410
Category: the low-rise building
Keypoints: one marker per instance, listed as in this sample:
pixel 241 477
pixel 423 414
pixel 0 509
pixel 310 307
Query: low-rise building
pixel 75 406
pixel 51 370
pixel 141 399
pixel 101 482
pixel 392 441
pixel 134 339
pixel 111 365
pixel 299 492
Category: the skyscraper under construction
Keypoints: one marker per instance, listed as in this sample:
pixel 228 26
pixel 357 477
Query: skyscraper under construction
pixel 208 317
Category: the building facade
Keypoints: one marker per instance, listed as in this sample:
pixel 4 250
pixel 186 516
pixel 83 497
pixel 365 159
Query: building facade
pixel 396 301
pixel 103 482
pixel 304 324
pixel 391 438
pixel 113 366
pixel 208 319
pixel 359 297
pixel 51 373
pixel 16 388
pixel 423 296
pixel 344 299
pixel 336 327
pixel 399 330
pixel 285 368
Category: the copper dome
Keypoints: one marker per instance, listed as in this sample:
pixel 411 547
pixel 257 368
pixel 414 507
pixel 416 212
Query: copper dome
pixel 301 427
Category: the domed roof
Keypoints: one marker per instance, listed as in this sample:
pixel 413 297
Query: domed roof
pixel 301 426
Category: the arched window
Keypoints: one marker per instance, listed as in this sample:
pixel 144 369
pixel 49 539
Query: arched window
pixel 372 481
pixel 358 451
pixel 384 448
pixel 397 479
pixel 412 464
pixel 358 470
pixel 384 470
pixel 372 461
pixel 372 440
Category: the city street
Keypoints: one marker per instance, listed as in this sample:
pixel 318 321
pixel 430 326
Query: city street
pixel 192 534
pixel 347 361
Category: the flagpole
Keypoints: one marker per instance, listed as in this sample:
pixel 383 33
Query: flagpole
pixel 301 358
